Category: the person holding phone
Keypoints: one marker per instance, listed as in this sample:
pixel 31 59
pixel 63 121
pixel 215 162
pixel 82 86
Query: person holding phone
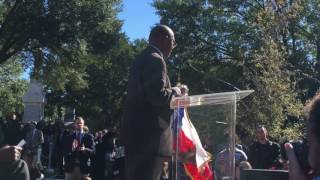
pixel 11 166
pixel 312 110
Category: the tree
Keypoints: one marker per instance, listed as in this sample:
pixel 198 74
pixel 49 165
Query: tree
pixel 19 21
pixel 12 88
pixel 54 37
pixel 237 42
pixel 101 102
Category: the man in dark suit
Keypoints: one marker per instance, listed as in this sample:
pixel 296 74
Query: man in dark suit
pixel 146 129
pixel 77 149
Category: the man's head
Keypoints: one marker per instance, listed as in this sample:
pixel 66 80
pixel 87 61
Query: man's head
pixel 32 125
pixel 79 123
pixel 162 37
pixel 313 133
pixel 184 90
pixel 261 133
pixel 14 116
pixel 109 139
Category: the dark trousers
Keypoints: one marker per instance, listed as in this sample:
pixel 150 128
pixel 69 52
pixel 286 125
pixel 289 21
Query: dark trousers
pixel 16 170
pixel 143 167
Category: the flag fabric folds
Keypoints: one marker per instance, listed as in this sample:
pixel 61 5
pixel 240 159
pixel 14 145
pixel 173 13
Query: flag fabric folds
pixel 194 157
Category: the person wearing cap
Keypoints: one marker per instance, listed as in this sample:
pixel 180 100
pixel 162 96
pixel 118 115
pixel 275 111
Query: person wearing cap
pixel 145 128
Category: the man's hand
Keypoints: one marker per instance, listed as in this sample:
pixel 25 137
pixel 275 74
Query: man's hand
pixel 75 145
pixel 180 103
pixel 10 153
pixel 177 91
pixel 295 171
pixel 82 148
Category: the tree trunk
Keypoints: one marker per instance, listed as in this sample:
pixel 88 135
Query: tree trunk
pixel 38 62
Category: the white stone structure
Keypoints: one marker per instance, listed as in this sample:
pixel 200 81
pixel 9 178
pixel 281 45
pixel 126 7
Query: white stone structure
pixel 34 101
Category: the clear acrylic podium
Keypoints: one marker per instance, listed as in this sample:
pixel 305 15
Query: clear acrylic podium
pixel 214 118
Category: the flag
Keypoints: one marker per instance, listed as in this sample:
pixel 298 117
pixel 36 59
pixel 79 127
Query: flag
pixel 187 140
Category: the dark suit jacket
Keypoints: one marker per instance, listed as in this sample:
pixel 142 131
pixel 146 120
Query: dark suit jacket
pixel 146 122
pixel 103 161
pixel 83 156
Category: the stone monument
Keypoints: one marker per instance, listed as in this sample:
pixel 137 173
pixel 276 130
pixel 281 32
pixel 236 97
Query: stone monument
pixel 34 101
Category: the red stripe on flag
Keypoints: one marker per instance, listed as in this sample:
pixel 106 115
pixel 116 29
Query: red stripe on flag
pixel 185 144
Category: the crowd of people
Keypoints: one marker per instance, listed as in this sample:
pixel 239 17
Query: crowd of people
pixel 77 154
pixel 71 151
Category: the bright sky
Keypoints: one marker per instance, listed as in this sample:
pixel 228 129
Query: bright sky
pixel 139 16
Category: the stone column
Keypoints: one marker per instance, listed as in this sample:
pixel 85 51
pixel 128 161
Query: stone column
pixel 34 101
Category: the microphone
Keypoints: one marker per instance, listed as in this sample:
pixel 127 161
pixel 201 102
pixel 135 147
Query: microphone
pixel 215 78
pixel 227 83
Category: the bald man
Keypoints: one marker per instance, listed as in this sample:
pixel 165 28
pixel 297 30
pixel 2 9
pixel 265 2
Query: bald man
pixel 146 125
pixel 264 154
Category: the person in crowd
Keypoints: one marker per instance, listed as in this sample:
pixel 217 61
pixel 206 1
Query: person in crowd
pixel 99 134
pixel 58 143
pixel 11 166
pixel 105 157
pixel 97 137
pixel 34 140
pixel 222 165
pixel 146 124
pixel 313 135
pixel 86 129
pixel 13 130
pixel 77 149
pixel 41 125
pixel 120 160
pixel 243 165
pixel 48 131
pixel 264 154
pixel 32 154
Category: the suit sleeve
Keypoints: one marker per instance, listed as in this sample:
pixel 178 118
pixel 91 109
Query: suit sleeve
pixel 90 146
pixel 66 145
pixel 155 83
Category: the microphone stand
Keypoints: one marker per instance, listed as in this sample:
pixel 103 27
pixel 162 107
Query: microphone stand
pixel 215 78
pixel 219 80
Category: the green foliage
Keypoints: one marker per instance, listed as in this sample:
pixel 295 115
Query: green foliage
pixel 107 78
pixel 241 43
pixel 77 49
pixel 55 36
pixel 274 97
pixel 101 101
pixel 20 21
pixel 12 88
